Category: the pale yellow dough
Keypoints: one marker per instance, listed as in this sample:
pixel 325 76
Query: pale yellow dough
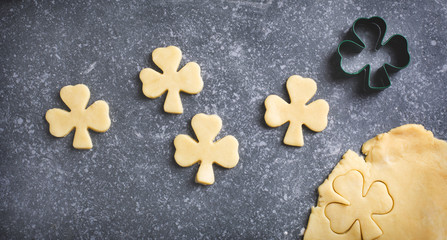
pixel 95 117
pixel 313 115
pixel 399 191
pixel 186 80
pixel 223 152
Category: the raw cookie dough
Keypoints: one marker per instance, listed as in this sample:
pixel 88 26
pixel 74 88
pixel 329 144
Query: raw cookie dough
pixel 95 117
pixel 223 152
pixel 313 115
pixel 187 80
pixel 398 192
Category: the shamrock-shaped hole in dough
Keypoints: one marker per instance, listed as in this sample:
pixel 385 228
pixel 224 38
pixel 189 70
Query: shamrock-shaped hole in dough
pixel 223 152
pixel 313 115
pixel 95 117
pixel 186 80
pixel 360 205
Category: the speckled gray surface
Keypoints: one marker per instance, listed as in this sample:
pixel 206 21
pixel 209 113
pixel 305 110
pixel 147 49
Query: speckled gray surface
pixel 128 186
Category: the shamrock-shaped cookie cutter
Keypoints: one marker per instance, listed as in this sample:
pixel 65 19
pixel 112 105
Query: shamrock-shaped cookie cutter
pixel 396 42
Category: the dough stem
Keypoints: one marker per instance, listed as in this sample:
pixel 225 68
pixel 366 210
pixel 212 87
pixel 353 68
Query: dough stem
pixel 369 228
pixel 173 103
pixel 82 139
pixel 294 135
pixel 205 174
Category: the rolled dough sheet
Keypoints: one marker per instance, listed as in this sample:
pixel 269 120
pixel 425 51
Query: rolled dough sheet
pixel 407 165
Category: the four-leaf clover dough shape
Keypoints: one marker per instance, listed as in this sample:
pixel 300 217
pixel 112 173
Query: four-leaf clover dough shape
pixel 413 166
pixel 95 117
pixel 186 80
pixel 361 206
pixel 313 115
pixel 223 152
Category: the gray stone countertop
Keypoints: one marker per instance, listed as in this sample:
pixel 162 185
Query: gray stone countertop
pixel 129 186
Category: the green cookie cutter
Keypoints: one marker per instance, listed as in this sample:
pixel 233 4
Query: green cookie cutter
pixel 397 42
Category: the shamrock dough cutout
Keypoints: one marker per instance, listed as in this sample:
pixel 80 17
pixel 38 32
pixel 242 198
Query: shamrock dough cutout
pixel 223 152
pixel 95 117
pixel 313 115
pixel 360 206
pixel 187 80
pixel 408 165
